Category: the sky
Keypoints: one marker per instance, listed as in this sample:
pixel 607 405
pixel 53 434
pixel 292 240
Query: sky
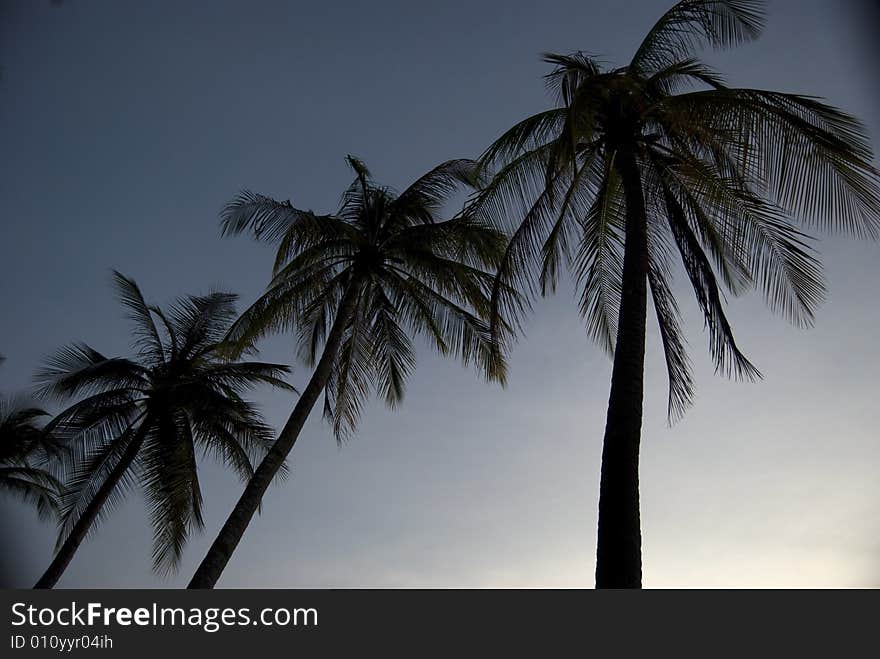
pixel 125 127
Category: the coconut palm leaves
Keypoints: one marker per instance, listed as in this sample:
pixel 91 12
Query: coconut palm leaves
pixel 693 24
pixel 656 165
pixel 414 275
pixel 725 174
pixel 144 421
pixel 25 452
pixel 357 286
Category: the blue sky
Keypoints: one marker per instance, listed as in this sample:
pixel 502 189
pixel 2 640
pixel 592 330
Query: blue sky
pixel 125 127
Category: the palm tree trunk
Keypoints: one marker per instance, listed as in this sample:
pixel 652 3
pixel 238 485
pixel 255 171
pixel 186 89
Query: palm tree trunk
pixel 218 555
pixel 619 547
pixel 84 523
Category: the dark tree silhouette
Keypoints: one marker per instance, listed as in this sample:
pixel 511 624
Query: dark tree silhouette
pixel 356 285
pixel 655 161
pixel 143 421
pixel 25 452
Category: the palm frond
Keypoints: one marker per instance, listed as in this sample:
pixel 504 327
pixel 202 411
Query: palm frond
pixel 87 477
pixel 751 241
pixel 267 219
pixel 79 369
pixel 33 486
pixel 728 357
pixel 429 192
pixel 598 263
pixel 530 137
pixel 147 340
pixel 684 74
pixel 280 308
pixel 691 24
pixel 391 349
pixel 812 159
pixel 200 322
pixel 170 481
pixel 569 74
pixel 350 383
pixel 678 369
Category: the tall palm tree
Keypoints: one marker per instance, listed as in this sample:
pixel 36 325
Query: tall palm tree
pixel 355 285
pixel 143 421
pixel 25 451
pixel 638 166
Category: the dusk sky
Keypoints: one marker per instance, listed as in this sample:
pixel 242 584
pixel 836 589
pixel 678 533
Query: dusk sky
pixel 125 127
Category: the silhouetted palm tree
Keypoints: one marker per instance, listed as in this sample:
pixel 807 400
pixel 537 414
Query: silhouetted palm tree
pixel 142 421
pixel 25 450
pixel 657 159
pixel 359 282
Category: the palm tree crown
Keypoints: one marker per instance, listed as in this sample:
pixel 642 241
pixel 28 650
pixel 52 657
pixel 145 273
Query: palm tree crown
pixel 639 166
pixel 723 173
pixel 145 420
pixel 409 273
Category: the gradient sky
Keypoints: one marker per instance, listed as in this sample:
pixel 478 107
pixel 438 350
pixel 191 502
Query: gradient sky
pixel 125 126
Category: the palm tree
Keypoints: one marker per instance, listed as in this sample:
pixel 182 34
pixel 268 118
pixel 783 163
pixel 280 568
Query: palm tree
pixel 25 451
pixel 143 420
pixel 356 284
pixel 637 164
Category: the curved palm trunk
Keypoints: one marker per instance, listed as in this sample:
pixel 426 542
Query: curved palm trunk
pixel 619 549
pixel 84 523
pixel 218 555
